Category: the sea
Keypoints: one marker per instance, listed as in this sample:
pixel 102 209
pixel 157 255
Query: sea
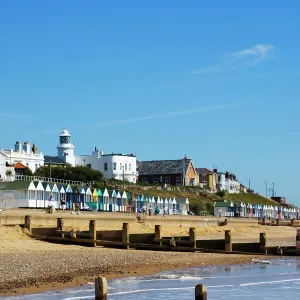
pixel 273 279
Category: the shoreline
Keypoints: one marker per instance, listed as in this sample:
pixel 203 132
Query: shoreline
pixel 182 261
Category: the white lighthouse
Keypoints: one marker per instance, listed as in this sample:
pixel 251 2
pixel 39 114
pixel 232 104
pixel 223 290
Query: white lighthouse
pixel 65 149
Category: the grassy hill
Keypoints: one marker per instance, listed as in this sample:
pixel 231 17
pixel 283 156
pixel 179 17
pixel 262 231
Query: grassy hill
pixel 204 202
pixel 199 201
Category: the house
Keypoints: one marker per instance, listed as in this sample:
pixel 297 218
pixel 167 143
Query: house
pixel 243 189
pixel 227 182
pixel 207 179
pixel 175 172
pixel 280 200
pixel 54 161
pixel 24 154
pixel 116 166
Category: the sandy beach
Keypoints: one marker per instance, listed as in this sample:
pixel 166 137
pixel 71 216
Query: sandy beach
pixel 31 266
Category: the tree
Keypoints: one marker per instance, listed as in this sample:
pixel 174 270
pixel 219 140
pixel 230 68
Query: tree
pixel 79 173
pixel 221 193
pixel 27 172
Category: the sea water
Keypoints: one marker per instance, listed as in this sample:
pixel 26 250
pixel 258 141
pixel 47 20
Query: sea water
pixel 278 280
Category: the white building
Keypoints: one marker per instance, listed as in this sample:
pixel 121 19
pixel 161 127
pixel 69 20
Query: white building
pixel 116 166
pixel 228 182
pixel 23 154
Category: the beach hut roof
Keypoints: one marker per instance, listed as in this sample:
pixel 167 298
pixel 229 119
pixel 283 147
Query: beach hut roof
pixel 118 195
pixel 95 193
pixel 105 193
pixel 55 188
pixel 38 186
pixel 124 195
pixel 68 189
pixel 75 189
pixel 99 192
pixel 88 191
pixel 17 185
pixel 82 190
pixel 62 189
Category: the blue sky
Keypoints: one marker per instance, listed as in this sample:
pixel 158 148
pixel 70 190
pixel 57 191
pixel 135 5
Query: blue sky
pixel 218 81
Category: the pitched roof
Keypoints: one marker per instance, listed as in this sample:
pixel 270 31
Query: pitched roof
pixel 54 160
pixel 204 171
pixel 157 167
pixel 14 185
pixel 18 165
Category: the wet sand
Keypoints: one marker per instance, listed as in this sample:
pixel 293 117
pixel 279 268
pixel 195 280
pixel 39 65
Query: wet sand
pixel 31 266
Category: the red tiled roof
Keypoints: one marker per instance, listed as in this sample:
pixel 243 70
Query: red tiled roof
pixel 19 166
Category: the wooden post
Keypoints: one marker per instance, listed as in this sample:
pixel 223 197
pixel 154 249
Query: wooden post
pixel 192 237
pixel 258 220
pixel 28 223
pixel 158 233
pixel 228 243
pixel 60 225
pixel 292 222
pixel 264 221
pixel 100 288
pixel 93 232
pixel 125 235
pixel 277 222
pixel 200 292
pixel 263 242
pixel 225 222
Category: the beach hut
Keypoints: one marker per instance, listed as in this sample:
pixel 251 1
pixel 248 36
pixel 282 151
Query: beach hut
pixel 39 194
pixel 183 205
pixel 124 201
pixel 62 193
pixel 69 194
pixel 17 194
pixel 138 203
pixel 88 195
pixel 75 198
pixel 112 200
pixel 170 206
pixel 55 194
pixel 223 209
pixel 100 200
pixel 47 193
pixel 134 203
pixel 82 195
pixel 174 206
pixel 105 200
pixel 118 206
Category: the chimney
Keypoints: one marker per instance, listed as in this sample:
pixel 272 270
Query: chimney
pixel 215 170
pixel 18 147
pixel 26 147
pixel 34 149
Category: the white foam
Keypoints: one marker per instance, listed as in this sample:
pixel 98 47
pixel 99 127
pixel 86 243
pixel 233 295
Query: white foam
pixel 270 282
pixel 81 297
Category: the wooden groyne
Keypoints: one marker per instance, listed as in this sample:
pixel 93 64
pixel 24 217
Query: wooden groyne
pixel 278 222
pixel 153 241
pixel 101 290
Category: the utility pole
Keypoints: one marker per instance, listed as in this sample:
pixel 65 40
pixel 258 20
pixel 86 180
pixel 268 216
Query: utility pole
pixel 273 189
pixel 50 168
pixel 249 184
pixel 266 183
pixel 123 178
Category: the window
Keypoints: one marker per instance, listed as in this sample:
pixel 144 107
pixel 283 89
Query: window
pixel 129 167
pixel 120 166
pixel 115 166
pixel 126 166
pixel 89 166
pixel 204 178
pixel 178 180
pixel 105 166
pixel 167 180
pixel 144 180
pixel 155 180
pixel 27 165
pixel 36 166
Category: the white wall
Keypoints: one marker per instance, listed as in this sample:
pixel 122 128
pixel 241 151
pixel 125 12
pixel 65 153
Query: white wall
pixel 32 161
pixel 2 167
pixel 115 164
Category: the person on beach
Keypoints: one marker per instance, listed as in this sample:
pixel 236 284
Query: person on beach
pixel 150 210
pixel 165 211
pixel 50 205
pixel 63 203
pixel 157 210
